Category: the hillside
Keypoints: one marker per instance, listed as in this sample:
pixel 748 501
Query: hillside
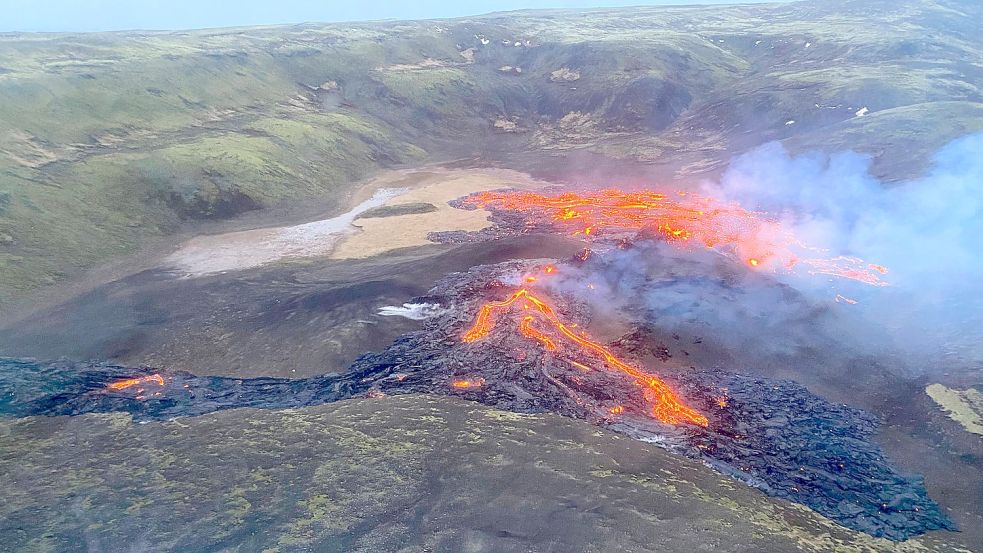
pixel 412 473
pixel 342 287
pixel 112 140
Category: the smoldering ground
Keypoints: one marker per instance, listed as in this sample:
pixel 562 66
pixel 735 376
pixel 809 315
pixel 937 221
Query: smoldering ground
pixel 927 321
pixel 925 231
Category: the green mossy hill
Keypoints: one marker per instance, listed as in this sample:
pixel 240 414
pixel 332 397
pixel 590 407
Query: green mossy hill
pixel 108 140
pixel 408 473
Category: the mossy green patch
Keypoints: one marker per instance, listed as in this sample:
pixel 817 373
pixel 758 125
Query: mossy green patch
pixel 110 140
pixel 380 474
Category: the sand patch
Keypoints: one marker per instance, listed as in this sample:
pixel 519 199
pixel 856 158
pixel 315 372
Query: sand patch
pixel 377 236
pixel 341 236
pixel 234 251
pixel 962 406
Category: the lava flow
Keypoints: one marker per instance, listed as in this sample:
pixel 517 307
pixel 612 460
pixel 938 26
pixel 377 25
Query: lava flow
pixel 131 382
pixel 753 238
pixel 666 406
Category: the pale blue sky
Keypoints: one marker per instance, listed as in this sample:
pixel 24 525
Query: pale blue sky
pixel 106 15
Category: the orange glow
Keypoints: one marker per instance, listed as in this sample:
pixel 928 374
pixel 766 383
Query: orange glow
pixel 616 410
pixel 527 330
pixel 466 383
pixel 666 406
pixel 689 221
pixel 131 382
pixel 580 366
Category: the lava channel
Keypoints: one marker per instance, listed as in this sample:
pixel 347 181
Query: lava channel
pixel 666 405
pixel 683 219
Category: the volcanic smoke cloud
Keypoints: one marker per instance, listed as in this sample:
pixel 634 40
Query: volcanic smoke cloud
pixel 927 231
pixel 900 261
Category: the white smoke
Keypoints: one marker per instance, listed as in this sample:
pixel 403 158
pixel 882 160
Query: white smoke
pixel 927 231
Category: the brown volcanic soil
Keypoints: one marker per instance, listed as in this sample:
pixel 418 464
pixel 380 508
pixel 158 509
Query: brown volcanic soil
pixel 408 473
pixel 293 320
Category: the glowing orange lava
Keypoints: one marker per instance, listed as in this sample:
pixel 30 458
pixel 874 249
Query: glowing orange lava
pixel 466 383
pixel 130 382
pixel 666 406
pixel 750 237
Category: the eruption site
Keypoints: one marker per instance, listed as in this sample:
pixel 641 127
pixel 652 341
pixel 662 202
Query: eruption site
pixel 510 335
pixel 666 406
pixel 683 219
pixel 772 434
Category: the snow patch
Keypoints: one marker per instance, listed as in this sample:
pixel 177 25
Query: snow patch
pixel 414 311
pixel 862 111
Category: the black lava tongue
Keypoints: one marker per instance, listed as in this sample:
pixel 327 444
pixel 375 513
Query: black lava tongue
pixel 775 435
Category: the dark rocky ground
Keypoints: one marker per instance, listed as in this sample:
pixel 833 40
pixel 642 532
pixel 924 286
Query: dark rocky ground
pixel 297 320
pixel 409 473
pixel 320 301
pixel 774 435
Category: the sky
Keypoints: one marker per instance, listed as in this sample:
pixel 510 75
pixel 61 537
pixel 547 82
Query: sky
pixel 116 15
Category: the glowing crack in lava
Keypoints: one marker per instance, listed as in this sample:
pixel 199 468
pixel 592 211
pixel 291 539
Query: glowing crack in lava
pixel 131 382
pixel 682 219
pixel 466 383
pixel 141 392
pixel 666 406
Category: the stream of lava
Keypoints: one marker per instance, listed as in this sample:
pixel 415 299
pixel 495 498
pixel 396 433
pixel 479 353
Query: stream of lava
pixel 753 238
pixel 131 382
pixel 140 383
pixel 666 406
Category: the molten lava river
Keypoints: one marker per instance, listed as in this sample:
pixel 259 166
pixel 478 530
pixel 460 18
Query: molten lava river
pixel 683 219
pixel 666 406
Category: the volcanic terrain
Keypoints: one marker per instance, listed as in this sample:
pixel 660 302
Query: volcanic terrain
pixel 563 280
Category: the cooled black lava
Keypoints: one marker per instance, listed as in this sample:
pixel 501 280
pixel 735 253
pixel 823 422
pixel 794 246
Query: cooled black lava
pixel 774 435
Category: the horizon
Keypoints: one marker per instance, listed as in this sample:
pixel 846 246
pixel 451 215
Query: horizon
pixel 27 16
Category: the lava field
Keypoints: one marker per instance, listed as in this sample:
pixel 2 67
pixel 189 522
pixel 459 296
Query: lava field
pixel 511 336
pixel 774 435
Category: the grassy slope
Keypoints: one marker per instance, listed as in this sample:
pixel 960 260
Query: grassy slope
pixel 109 139
pixel 408 473
pixel 101 156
